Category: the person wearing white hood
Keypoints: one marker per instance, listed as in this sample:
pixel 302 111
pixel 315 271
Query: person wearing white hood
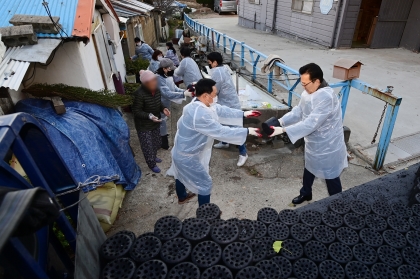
pixel 202 121
pixel 227 96
pixel 318 120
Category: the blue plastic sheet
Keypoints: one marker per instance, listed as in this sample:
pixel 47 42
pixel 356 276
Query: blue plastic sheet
pixel 92 140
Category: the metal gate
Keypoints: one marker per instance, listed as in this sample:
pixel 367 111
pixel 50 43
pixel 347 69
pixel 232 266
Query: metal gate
pixel 346 28
pixel 392 19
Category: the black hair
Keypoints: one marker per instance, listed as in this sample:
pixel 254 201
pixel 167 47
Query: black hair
pixel 171 46
pixel 215 56
pixel 156 54
pixel 137 39
pixel 160 72
pixel 204 86
pixel 314 71
pixel 185 52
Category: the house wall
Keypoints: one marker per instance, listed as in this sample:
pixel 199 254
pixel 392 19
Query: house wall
pixel 316 27
pixel 411 36
pixel 113 29
pixel 149 32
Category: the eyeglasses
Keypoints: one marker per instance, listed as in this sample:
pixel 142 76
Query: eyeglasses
pixel 304 85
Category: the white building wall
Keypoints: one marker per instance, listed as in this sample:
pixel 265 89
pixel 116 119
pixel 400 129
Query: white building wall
pixel 113 29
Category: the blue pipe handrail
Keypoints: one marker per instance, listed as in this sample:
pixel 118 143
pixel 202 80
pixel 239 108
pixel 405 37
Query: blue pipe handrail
pixel 230 44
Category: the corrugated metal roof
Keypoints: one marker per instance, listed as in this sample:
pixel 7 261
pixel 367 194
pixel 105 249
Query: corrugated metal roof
pixel 131 8
pixel 65 9
pixel 142 5
pixel 13 70
pixel 40 52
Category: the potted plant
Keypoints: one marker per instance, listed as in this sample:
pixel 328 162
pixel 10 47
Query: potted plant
pixel 133 68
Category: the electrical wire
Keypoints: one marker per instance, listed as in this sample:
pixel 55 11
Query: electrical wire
pixel 56 25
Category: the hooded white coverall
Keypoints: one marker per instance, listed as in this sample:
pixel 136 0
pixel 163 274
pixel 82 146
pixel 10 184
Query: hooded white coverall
pixel 188 70
pixel 227 95
pixel 318 119
pixel 198 126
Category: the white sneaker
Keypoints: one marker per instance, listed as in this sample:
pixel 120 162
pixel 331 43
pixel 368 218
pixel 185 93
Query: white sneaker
pixel 242 160
pixel 220 145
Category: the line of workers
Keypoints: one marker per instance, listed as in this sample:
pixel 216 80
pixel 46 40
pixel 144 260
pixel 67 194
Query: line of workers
pixel 215 114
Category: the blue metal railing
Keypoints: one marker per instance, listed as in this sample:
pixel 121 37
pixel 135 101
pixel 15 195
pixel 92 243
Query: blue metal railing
pixel 229 45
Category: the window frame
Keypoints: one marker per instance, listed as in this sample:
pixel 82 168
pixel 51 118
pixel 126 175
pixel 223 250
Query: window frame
pixel 303 5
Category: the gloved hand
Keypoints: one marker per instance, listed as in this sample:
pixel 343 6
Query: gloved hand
pixel 277 130
pixel 191 88
pixel 154 118
pixel 252 114
pixel 254 131
pixel 188 93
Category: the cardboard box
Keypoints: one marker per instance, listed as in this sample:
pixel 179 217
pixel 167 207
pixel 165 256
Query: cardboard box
pixel 347 69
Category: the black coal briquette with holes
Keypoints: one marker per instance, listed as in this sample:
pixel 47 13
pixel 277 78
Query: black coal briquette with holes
pixel 413 238
pixel 347 236
pixel 416 209
pixel 233 220
pixel 224 233
pixel 383 271
pixel 394 238
pixel 208 211
pixel 414 222
pixel 417 197
pixel 145 248
pixel 246 230
pixel 260 229
pixel 316 251
pixel 237 255
pixel 122 268
pixel 288 217
pixel 390 256
pixel 267 215
pixel 146 234
pixel 129 233
pixel 153 269
pixel 339 206
pixel 175 250
pixel 270 269
pixel 167 228
pixel 285 267
pixel 259 249
pixel 371 237
pixel 116 246
pixel 376 222
pixel 331 270
pixel 324 234
pixel 332 219
pixel 381 208
pixel 206 254
pixel 217 272
pixel 301 232
pixel 398 223
pixel 185 270
pixel 366 197
pixel 195 230
pixel 411 256
pixel 278 231
pixel 311 218
pixel 305 269
pixel 402 210
pixel 269 241
pixel 291 249
pixel 357 270
pixel 340 252
pixel 251 272
pixel 365 254
pixel 215 222
pixel 408 272
pixel 354 221
pixel 360 207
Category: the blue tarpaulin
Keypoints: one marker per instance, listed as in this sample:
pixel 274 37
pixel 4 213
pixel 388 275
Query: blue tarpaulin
pixel 92 140
pixel 179 5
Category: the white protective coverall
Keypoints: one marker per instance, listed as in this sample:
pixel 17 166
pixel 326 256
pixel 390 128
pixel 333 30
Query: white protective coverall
pixel 198 126
pixel 169 92
pixel 188 70
pixel 318 119
pixel 153 66
pixel 226 91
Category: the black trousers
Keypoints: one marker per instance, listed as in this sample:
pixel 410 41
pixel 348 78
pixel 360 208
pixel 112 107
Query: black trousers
pixel 333 185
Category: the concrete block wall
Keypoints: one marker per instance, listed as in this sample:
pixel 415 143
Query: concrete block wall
pixel 41 24
pixel 14 36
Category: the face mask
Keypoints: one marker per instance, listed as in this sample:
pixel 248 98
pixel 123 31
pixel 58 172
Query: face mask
pixel 214 101
pixel 160 58
pixel 210 66
pixel 170 73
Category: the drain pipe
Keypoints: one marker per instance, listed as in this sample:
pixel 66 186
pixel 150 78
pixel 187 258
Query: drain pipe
pixel 335 23
pixel 273 26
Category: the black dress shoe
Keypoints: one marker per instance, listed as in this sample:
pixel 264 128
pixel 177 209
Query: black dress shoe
pixel 300 198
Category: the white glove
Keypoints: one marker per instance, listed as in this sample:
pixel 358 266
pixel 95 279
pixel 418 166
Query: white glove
pixel 187 93
pixel 254 131
pixel 252 113
pixel 277 130
pixel 154 118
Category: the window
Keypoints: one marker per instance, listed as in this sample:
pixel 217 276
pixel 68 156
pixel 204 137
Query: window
pixel 257 2
pixel 304 6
